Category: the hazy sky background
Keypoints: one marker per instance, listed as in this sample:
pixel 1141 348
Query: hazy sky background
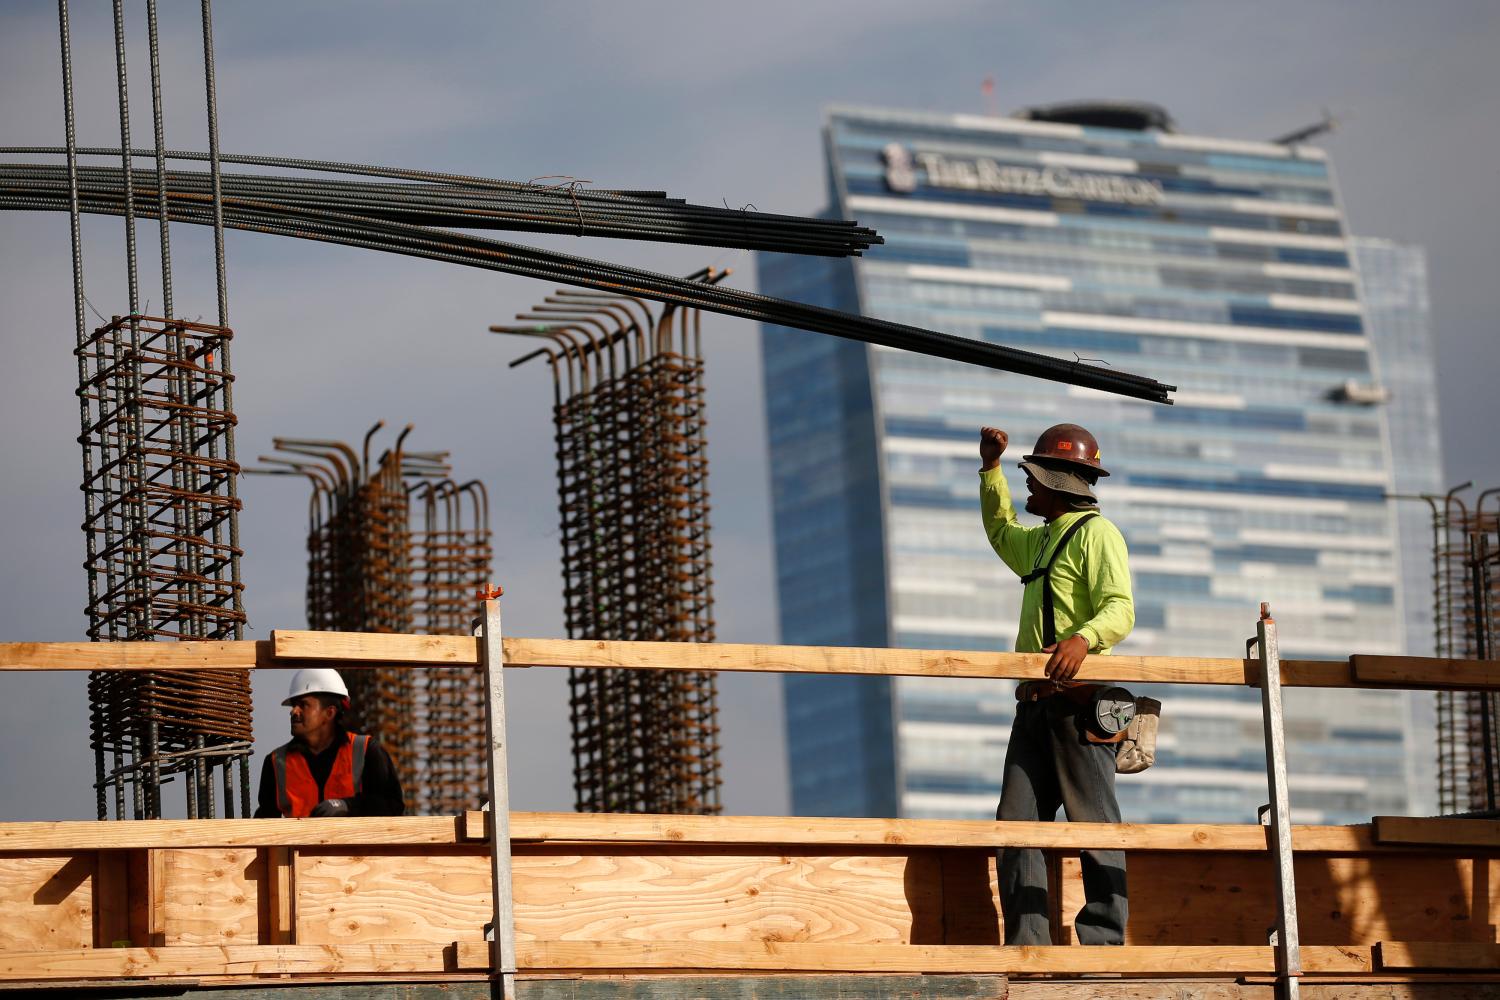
pixel 719 104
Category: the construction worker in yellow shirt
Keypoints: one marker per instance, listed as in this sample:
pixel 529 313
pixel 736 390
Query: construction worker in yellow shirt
pixel 1077 602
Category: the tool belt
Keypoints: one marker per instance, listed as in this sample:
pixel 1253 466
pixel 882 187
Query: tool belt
pixel 1080 694
pixel 1134 742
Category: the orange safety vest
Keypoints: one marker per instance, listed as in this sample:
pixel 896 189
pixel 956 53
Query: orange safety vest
pixel 297 792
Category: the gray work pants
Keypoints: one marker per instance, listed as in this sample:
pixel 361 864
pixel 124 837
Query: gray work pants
pixel 1049 764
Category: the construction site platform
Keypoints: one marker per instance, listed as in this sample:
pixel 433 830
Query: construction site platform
pixel 621 905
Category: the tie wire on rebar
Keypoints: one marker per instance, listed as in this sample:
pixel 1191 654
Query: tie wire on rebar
pixel 39 187
pixel 396 545
pixel 628 410
pixel 160 511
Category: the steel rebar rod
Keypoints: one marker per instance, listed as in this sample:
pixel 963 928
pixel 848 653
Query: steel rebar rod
pixel 476 251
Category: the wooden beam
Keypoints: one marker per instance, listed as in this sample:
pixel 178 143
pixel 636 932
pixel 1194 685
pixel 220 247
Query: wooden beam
pixel 797 956
pixel 770 832
pixel 1425 671
pixel 281 895
pixel 1438 955
pixel 75 835
pixel 376 647
pixel 356 649
pixel 237 960
pixel 190 655
pixel 773 831
pixel 369 647
pixel 1415 831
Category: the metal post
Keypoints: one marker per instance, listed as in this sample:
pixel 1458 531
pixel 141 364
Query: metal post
pixel 492 657
pixel 1287 943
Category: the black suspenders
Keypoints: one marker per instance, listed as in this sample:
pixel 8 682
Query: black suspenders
pixel 1049 623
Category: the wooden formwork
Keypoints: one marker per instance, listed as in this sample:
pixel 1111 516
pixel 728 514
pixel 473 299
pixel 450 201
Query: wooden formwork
pixel 1382 907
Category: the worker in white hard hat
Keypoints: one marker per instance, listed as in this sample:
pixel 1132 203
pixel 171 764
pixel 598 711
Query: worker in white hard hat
pixel 326 770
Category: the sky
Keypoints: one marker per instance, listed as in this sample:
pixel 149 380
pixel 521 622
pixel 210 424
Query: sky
pixel 718 104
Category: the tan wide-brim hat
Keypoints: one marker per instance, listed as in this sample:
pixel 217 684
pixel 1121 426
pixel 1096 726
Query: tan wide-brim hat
pixel 1059 479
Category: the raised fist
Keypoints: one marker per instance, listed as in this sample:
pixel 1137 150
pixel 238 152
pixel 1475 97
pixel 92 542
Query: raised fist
pixel 992 442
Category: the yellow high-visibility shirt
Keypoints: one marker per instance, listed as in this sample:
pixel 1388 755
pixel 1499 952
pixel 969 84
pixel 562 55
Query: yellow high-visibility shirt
pixel 1091 593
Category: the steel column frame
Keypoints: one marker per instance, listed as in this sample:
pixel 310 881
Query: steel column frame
pixel 492 655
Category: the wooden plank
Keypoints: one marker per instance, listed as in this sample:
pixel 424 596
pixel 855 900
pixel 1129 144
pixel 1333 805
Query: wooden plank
pixel 374 647
pixel 725 895
pixel 370 647
pixel 211 895
pixel 190 655
pixel 1438 955
pixel 784 956
pixel 1425 671
pixel 92 835
pixel 1228 899
pixel 808 831
pixel 971 897
pixel 152 897
pixel 279 864
pixel 1410 830
pixel 386 896
pixel 111 898
pixel 235 960
pixel 771 831
pixel 46 901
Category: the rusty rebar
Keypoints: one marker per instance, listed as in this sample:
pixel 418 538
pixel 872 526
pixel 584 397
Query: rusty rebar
pixel 634 527
pixel 157 497
pixel 394 545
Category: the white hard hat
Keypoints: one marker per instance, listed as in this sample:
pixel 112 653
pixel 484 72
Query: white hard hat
pixel 316 680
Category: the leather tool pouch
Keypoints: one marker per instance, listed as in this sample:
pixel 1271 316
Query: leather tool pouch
pixel 1137 751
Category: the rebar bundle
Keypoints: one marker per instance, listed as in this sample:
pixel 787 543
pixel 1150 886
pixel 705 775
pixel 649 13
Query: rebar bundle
pixel 400 219
pixel 374 567
pixel 157 488
pixel 451 558
pixel 160 506
pixel 633 499
pixel 1466 604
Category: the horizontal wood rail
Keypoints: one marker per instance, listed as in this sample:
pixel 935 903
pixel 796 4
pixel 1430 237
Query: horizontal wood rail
pixel 801 956
pixel 1390 834
pixel 1450 832
pixel 710 956
pixel 1431 955
pixel 241 960
pixel 289 649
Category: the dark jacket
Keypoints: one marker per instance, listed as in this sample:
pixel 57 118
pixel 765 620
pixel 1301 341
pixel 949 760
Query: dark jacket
pixel 380 789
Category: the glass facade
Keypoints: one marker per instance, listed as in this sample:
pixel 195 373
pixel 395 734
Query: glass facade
pixel 1393 288
pixel 1218 265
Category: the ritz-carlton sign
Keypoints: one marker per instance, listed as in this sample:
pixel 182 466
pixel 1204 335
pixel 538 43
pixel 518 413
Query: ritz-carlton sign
pixel 982 174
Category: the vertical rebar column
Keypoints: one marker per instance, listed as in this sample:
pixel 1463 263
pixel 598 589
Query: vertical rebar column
pixel 394 545
pixel 1466 546
pixel 634 527
pixel 152 545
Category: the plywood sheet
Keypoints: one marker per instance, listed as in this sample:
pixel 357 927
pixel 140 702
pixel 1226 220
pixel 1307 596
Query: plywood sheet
pixel 724 895
pixel 389 896
pixel 210 896
pixel 1199 899
pixel 46 902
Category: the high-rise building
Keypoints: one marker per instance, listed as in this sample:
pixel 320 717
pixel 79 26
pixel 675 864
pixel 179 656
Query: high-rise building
pixel 1096 232
pixel 1393 290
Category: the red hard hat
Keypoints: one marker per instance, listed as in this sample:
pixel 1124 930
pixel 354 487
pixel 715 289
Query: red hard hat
pixel 1068 443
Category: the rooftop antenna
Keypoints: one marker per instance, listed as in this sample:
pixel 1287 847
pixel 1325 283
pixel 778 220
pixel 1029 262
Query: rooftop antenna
pixel 1327 124
pixel 987 88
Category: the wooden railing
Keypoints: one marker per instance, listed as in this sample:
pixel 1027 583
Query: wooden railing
pixel 594 893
